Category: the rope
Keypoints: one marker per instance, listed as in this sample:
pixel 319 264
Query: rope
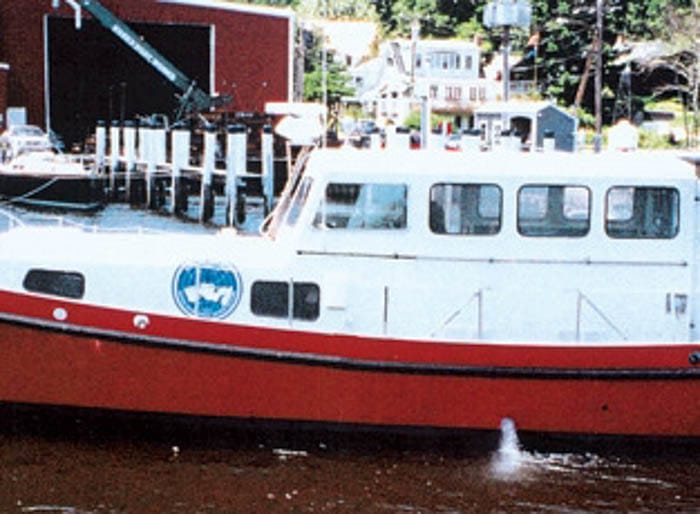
pixel 31 193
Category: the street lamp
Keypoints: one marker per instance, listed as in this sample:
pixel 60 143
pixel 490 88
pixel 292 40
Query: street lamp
pixel 507 14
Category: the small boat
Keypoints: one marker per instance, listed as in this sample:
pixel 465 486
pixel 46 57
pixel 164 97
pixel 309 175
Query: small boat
pixel 34 174
pixel 394 289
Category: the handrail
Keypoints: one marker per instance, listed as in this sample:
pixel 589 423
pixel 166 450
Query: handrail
pixel 579 304
pixel 480 306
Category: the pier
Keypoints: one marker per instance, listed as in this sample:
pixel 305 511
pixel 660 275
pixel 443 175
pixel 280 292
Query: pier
pixel 178 170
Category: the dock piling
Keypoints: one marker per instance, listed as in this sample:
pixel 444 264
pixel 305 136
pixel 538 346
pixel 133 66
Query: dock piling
pixel 180 159
pixel 206 199
pixel 100 145
pixel 115 153
pixel 151 166
pixel 236 159
pixel 129 155
pixel 268 167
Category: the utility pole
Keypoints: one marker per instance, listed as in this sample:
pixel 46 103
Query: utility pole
pixel 324 75
pixel 507 14
pixel 597 140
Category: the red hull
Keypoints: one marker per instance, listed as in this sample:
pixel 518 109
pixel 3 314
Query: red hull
pixel 187 366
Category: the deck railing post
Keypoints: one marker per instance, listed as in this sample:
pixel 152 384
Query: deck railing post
pixel 579 299
pixel 480 307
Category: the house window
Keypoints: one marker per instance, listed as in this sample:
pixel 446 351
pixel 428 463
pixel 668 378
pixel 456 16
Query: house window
pixel 363 206
pixel 472 94
pixel 465 209
pixel 642 212
pixel 433 91
pixel 272 299
pixel 554 211
pixel 67 284
pixel 468 62
pixel 453 93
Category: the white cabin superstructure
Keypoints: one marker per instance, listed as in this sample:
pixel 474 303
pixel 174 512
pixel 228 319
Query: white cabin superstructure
pixel 600 270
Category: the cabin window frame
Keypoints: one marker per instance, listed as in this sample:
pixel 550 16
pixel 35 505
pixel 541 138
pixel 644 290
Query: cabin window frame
pixel 441 217
pixel 561 224
pixel 628 228
pixel 360 210
pixel 60 283
pixel 285 300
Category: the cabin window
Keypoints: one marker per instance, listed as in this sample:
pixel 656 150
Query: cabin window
pixel 642 212
pixel 554 211
pixel 363 206
pixel 272 299
pixel 465 209
pixel 68 284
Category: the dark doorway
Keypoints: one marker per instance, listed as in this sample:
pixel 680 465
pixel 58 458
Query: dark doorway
pixel 94 76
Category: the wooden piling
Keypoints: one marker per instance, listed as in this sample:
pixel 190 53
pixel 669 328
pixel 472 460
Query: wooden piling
pixel 100 145
pixel 129 155
pixel 180 159
pixel 206 197
pixel 236 159
pixel 114 153
pixel 268 167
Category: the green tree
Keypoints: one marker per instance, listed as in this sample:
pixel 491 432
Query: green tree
pixel 338 9
pixel 337 78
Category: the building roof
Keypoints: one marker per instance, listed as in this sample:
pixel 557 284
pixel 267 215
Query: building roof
pixel 529 108
pixel 260 10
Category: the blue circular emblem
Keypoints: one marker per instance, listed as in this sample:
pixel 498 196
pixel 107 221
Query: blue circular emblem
pixel 207 290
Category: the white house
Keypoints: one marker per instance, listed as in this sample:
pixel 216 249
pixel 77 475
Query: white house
pixel 444 71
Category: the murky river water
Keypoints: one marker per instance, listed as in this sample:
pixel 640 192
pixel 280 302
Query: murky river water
pixel 78 463
pixel 85 465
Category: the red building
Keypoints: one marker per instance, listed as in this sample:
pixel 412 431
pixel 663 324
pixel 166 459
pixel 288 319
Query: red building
pixel 67 79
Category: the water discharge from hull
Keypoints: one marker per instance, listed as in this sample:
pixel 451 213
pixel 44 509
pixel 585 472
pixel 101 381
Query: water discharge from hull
pixel 509 459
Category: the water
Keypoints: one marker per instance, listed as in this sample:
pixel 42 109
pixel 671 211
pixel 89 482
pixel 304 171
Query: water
pixel 86 465
pixel 76 462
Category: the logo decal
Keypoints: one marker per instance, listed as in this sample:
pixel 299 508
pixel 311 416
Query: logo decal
pixel 207 290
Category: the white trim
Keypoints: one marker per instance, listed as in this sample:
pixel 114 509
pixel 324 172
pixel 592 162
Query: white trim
pixel 212 59
pixel 47 84
pixel 4 66
pixel 275 12
pixel 291 47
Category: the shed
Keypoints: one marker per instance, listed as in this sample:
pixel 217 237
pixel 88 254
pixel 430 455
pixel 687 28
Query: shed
pixel 531 120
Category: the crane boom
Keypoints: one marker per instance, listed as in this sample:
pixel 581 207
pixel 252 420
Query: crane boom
pixel 192 99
